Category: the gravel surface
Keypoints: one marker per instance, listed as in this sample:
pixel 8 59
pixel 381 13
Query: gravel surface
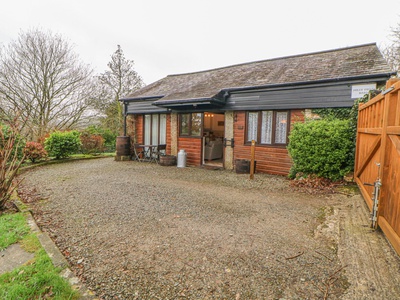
pixel 142 231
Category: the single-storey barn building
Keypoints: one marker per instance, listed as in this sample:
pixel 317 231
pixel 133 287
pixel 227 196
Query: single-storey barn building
pixel 215 114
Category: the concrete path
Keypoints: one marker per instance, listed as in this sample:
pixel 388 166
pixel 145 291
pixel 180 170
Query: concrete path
pixel 13 257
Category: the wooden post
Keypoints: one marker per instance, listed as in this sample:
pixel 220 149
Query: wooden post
pixel 253 152
pixel 385 140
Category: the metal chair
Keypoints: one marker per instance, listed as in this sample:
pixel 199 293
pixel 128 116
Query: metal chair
pixel 161 150
pixel 138 152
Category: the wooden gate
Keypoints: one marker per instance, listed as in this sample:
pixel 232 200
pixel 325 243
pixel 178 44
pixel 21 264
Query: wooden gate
pixel 378 142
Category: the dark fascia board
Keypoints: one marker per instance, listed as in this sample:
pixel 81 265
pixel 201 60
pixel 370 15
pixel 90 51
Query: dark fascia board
pixel 377 77
pixel 186 102
pixel 219 99
pixel 139 99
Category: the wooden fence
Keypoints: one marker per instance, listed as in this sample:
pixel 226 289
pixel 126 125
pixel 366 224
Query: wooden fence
pixel 378 142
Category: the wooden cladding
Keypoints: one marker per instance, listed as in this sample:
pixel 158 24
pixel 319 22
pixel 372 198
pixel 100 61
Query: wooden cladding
pixel 192 146
pixel 270 159
pixel 378 141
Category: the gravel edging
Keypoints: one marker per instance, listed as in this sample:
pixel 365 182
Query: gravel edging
pixel 58 260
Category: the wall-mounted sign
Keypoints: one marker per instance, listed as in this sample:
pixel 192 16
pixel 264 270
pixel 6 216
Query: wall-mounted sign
pixel 359 90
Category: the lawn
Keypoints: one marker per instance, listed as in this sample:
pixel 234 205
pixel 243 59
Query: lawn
pixel 37 279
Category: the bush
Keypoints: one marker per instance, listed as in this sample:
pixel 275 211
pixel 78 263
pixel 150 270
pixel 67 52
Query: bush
pixel 91 143
pixel 34 151
pixel 321 148
pixel 354 120
pixel 10 160
pixel 8 132
pixel 108 136
pixel 62 144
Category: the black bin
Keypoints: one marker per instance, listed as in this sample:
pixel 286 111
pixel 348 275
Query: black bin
pixel 242 166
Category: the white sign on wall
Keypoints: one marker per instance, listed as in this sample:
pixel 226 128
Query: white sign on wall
pixel 359 90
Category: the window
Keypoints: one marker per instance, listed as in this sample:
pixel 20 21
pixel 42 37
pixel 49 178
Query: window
pixel 268 127
pixel 190 124
pixel 252 126
pixel 155 129
pixel 281 124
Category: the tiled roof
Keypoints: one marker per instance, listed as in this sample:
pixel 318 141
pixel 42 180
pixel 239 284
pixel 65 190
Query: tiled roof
pixel 357 61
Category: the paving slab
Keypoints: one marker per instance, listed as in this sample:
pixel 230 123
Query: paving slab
pixel 13 257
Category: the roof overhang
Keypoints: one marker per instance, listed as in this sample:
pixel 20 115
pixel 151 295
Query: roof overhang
pixel 218 101
pixel 372 77
pixel 186 103
pixel 140 99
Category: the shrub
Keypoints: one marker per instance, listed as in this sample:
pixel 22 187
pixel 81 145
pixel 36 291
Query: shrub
pixel 109 140
pixel 321 148
pixel 34 151
pixel 354 120
pixel 9 132
pixel 108 136
pixel 62 144
pixel 91 143
pixel 10 160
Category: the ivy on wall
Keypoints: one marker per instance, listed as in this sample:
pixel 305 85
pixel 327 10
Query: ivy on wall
pixel 326 146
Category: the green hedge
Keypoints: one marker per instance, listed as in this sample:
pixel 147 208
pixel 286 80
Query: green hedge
pixel 108 136
pixel 322 148
pixel 62 144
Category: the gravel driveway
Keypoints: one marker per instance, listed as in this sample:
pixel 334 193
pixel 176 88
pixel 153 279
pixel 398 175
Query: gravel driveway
pixel 142 231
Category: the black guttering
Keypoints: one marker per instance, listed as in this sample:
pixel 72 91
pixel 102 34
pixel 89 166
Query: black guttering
pixel 224 93
pixel 194 101
pixel 302 83
pixel 139 99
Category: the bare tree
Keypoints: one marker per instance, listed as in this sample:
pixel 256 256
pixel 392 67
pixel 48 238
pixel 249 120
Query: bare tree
pixel 9 159
pixel 119 80
pixel 392 52
pixel 43 79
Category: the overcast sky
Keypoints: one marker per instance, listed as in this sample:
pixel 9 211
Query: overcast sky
pixel 175 36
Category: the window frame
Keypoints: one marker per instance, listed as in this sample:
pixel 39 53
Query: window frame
pixel 150 137
pixel 190 125
pixel 273 128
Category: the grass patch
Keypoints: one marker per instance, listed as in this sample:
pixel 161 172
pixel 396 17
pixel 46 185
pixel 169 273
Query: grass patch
pixel 349 190
pixel 30 243
pixel 13 228
pixel 38 279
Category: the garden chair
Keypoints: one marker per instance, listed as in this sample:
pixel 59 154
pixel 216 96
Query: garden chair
pixel 161 150
pixel 139 152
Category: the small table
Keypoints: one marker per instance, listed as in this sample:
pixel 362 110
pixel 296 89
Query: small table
pixel 150 152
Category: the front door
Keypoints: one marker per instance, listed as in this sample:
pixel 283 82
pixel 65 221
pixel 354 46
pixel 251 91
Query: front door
pixel 213 139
